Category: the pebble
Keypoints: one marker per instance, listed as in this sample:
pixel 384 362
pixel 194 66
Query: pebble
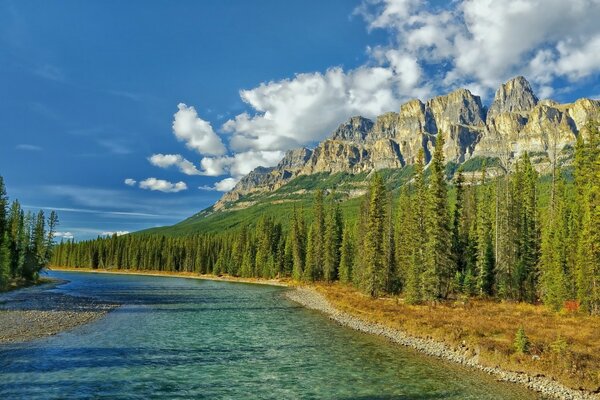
pixel 311 299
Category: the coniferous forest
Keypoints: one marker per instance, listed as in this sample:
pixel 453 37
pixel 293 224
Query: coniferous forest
pixel 429 241
pixel 26 241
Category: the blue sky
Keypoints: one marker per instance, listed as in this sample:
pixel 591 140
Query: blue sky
pixel 97 92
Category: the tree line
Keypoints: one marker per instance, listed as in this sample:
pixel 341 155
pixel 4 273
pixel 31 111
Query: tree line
pixel 26 240
pixel 490 239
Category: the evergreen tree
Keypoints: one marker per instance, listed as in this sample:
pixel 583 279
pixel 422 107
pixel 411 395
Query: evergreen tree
pixel 4 262
pixel 416 236
pixel 333 240
pixel 347 255
pixel 374 238
pixel 553 261
pixel 439 266
pixel 298 239
pixel 485 249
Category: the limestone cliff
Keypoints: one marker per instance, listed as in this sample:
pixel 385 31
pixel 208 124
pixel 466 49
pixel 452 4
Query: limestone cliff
pixel 516 122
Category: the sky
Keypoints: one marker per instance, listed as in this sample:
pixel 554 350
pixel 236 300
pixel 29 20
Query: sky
pixel 125 115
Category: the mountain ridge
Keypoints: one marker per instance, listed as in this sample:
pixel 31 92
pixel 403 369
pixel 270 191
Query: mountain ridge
pixel 516 122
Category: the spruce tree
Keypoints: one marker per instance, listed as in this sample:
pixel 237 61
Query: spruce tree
pixel 417 235
pixel 333 240
pixel 4 262
pixel 374 238
pixel 347 255
pixel 439 266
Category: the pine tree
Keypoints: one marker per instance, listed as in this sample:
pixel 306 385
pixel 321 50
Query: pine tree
pixel 459 255
pixel 553 260
pixel 588 195
pixel 318 237
pixel 3 209
pixel 374 238
pixel 417 236
pixel 439 266
pixel 347 255
pixel 333 241
pixel 298 239
pixel 4 261
pixel 485 251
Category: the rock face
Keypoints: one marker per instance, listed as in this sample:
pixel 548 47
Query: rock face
pixel 515 95
pixel 516 122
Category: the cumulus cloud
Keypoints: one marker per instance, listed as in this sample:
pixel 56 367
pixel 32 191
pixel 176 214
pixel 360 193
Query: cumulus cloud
pixel 118 233
pixel 197 133
pixel 162 185
pixel 306 108
pixel 168 160
pixel 63 235
pixel 130 182
pixel 226 184
pixel 433 49
pixel 482 43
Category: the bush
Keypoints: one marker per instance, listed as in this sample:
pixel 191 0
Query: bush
pixel 521 341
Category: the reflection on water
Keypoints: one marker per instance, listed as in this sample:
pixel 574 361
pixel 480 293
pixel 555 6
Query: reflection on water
pixel 182 338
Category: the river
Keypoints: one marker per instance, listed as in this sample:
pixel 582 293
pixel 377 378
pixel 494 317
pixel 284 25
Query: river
pixel 176 338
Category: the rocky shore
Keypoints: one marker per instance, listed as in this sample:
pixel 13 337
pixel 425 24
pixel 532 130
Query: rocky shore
pixel 38 311
pixel 311 299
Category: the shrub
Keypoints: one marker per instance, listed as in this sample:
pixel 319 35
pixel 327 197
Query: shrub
pixel 521 341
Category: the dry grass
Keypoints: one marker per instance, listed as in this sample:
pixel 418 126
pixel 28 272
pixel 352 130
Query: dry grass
pixel 564 346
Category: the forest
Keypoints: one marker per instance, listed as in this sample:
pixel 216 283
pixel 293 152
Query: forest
pixel 489 239
pixel 26 241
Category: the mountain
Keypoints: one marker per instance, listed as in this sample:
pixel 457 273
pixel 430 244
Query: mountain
pixel 516 122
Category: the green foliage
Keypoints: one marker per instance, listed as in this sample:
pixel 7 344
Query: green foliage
pixel 427 242
pixel 480 163
pixel 521 343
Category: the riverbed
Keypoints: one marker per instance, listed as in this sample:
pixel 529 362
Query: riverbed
pixel 182 338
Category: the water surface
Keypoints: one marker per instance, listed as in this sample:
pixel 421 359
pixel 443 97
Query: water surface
pixel 176 338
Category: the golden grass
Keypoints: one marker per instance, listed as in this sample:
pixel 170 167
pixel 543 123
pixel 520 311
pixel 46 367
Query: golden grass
pixel 564 346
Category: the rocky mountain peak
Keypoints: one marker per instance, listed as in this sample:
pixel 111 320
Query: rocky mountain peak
pixel 355 129
pixel 294 159
pixel 515 95
pixel 458 107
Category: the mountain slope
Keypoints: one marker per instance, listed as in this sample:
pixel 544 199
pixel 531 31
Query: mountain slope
pixel 516 122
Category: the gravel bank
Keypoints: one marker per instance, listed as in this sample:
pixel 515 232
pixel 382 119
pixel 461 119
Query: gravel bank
pixel 310 298
pixel 37 312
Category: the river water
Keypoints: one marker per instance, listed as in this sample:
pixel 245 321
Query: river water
pixel 176 338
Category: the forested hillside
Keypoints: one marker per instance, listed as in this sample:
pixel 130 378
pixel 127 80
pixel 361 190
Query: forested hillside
pixel 489 239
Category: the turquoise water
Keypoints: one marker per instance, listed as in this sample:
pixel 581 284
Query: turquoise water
pixel 177 338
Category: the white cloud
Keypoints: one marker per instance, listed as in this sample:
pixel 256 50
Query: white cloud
pixel 482 43
pixel 476 44
pixel 130 182
pixel 226 184
pixel 197 133
pixel 63 235
pixel 167 160
pixel 305 109
pixel 28 147
pixel 240 164
pixel 118 233
pixel 162 185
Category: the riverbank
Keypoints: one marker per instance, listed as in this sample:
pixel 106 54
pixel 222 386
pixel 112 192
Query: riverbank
pixel 188 275
pixel 361 320
pixel 474 333
pixel 36 311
